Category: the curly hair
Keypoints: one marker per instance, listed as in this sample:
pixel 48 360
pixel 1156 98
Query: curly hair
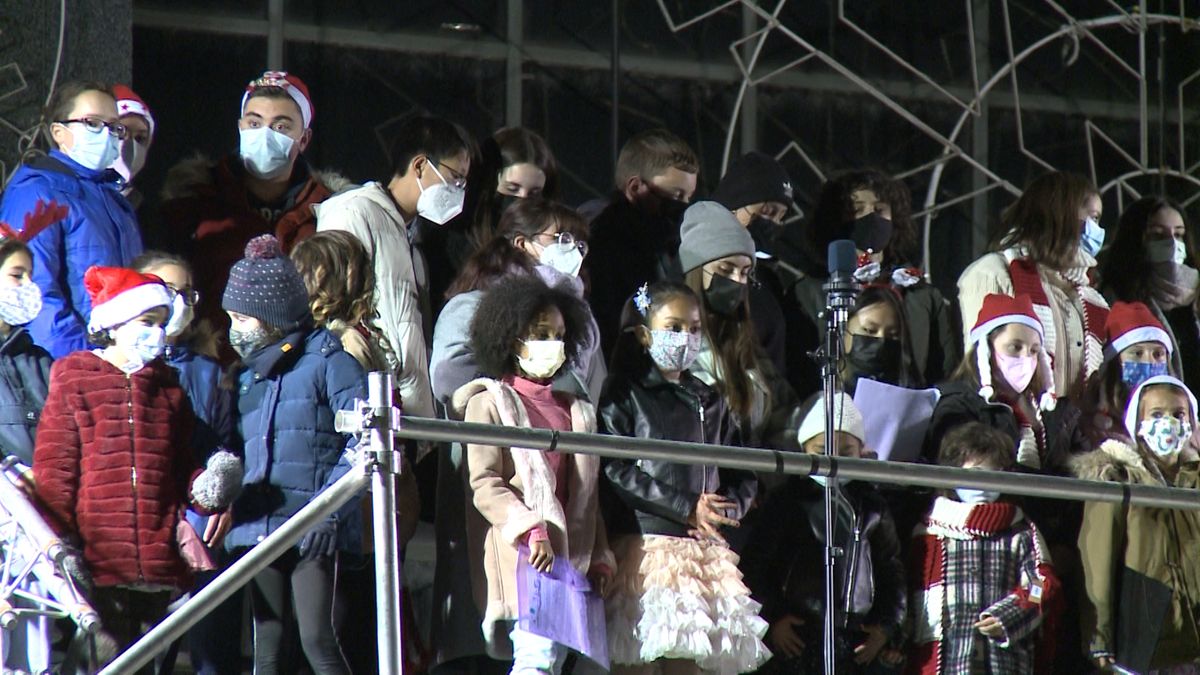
pixel 629 357
pixel 506 312
pixel 338 274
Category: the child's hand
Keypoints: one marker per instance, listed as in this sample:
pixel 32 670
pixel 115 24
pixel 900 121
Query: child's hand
pixel 709 515
pixel 867 651
pixel 783 637
pixel 991 627
pixel 541 555
pixel 218 526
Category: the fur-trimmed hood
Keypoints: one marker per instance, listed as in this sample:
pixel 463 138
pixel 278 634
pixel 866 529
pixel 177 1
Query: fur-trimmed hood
pixel 190 177
pixel 1119 462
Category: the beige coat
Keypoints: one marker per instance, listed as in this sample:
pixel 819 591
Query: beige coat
pixel 512 491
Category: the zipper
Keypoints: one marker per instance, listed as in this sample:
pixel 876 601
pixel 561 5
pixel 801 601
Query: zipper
pixel 137 553
pixel 852 563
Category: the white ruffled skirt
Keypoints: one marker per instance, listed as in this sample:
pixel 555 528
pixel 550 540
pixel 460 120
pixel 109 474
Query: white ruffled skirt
pixel 681 598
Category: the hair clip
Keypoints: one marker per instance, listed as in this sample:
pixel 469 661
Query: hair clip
pixel 641 299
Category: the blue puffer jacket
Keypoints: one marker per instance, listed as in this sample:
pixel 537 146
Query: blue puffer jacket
pixel 24 381
pixel 200 377
pixel 100 228
pixel 287 397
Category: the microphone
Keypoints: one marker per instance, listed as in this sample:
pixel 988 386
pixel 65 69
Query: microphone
pixel 841 289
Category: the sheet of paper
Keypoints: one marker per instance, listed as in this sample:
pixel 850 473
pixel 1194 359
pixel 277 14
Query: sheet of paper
pixel 562 607
pixel 895 418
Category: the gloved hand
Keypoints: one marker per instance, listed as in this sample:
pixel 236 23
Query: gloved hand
pixel 320 541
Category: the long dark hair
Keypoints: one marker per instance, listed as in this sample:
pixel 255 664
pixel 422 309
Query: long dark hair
pixel 507 147
pixel 875 294
pixel 629 357
pixel 734 345
pixel 498 257
pixel 1045 219
pixel 1123 267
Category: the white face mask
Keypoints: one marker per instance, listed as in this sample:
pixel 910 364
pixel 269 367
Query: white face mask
pixel 266 153
pixel 566 258
pixel 20 304
pixel 973 496
pixel 131 159
pixel 545 358
pixel 1165 436
pixel 141 344
pixel 1166 251
pixel 92 149
pixel 181 316
pixel 441 202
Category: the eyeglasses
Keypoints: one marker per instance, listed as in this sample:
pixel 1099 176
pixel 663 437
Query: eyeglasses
pixel 190 295
pixel 456 179
pixel 94 125
pixel 567 240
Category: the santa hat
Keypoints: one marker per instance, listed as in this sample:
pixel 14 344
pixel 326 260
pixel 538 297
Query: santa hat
pixel 129 103
pixel 846 417
pixel 1130 323
pixel 1135 401
pixel 999 311
pixel 119 295
pixel 291 84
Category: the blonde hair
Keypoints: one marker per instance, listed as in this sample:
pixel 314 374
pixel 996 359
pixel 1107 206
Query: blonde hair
pixel 340 279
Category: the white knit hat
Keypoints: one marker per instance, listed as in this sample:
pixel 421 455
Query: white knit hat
pixel 846 417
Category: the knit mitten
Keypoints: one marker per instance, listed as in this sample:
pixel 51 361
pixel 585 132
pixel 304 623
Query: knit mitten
pixel 219 484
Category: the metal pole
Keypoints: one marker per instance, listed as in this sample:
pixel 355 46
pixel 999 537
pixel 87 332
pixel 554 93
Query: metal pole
pixel 796 463
pixel 833 348
pixel 239 573
pixel 275 34
pixel 615 69
pixel 384 466
pixel 513 70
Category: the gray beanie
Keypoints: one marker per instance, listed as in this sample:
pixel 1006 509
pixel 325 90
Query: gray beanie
pixel 266 286
pixel 709 231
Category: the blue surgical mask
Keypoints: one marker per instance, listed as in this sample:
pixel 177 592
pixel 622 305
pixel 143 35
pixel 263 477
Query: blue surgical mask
pixel 1134 373
pixel 94 150
pixel 1092 239
pixel 265 152
pixel 973 496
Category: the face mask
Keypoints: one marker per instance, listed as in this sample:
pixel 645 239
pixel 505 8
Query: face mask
pixel 441 202
pixel 673 350
pixel 92 149
pixel 266 153
pixel 875 358
pixel 871 232
pixel 562 257
pixel 763 231
pixel 20 304
pixel 973 496
pixel 181 316
pixel 246 342
pixel 131 159
pixel 1165 436
pixel 1093 236
pixel 724 295
pixel 1017 370
pixel 141 344
pixel 545 358
pixel 1134 373
pixel 1166 251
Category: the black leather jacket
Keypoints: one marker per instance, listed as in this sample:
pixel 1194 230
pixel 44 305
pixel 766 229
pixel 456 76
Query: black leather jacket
pixel 663 495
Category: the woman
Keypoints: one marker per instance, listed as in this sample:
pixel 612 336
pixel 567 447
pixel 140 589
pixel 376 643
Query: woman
pixel 517 164
pixel 877 343
pixel 1045 250
pixel 90 222
pixel 1152 268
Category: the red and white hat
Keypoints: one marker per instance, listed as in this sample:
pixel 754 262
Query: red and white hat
pixel 119 295
pixel 129 103
pixel 294 87
pixel 999 311
pixel 1130 323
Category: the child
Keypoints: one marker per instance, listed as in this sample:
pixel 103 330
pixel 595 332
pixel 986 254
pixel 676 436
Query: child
pixel 979 576
pixel 785 562
pixel 113 461
pixel 877 345
pixel 522 334
pixel 1142 564
pixel 24 366
pixel 676 563
pixel 292 379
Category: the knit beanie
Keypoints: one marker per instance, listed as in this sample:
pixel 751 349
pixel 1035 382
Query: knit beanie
pixel 710 232
pixel 266 286
pixel 846 418
pixel 754 178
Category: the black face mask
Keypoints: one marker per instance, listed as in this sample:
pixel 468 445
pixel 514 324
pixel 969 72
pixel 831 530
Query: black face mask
pixel 764 231
pixel 872 232
pixel 874 358
pixel 724 295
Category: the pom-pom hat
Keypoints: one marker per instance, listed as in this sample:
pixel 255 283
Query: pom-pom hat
pixel 129 103
pixel 266 286
pixel 1130 323
pixel 291 84
pixel 999 311
pixel 120 295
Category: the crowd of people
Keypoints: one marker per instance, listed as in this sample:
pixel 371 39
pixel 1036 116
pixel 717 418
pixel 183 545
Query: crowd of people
pixel 171 378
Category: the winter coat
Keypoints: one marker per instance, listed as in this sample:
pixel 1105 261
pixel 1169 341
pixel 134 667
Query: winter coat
pixel 784 561
pixel 513 491
pixel 210 215
pixel 24 383
pixel 775 412
pixel 100 228
pixel 370 214
pixel 200 377
pixel 1141 565
pixel 663 494
pixel 113 465
pixel 288 394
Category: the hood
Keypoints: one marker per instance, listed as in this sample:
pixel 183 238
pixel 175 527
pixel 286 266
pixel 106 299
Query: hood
pixel 1115 461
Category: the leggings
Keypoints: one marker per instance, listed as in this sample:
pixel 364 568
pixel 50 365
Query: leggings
pixel 303 591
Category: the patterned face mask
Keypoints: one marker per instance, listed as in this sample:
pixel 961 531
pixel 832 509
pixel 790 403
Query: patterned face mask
pixel 674 351
pixel 20 304
pixel 1165 436
pixel 1134 373
pixel 245 342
